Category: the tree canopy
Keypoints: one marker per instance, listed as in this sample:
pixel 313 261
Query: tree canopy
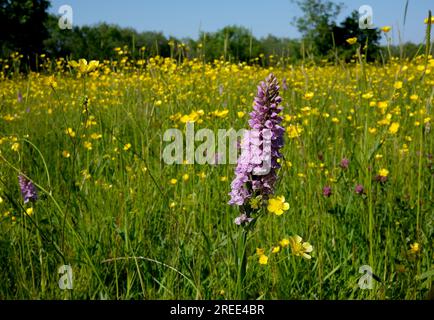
pixel 29 29
pixel 23 26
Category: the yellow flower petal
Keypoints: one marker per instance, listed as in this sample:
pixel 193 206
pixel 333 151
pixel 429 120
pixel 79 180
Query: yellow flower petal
pixel 263 259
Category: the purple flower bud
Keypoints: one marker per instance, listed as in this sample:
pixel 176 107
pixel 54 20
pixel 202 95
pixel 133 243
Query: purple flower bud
pixel 345 163
pixel 359 189
pixel 20 97
pixel 327 191
pixel 28 189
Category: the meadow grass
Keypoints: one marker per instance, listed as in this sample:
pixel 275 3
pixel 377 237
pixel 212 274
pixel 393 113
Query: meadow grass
pixel 92 142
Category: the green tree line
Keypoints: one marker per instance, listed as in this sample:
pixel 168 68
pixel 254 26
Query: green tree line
pixel 30 30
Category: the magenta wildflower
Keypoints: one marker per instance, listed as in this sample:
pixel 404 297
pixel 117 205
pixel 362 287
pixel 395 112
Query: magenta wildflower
pixel 327 191
pixel 256 171
pixel 359 189
pixel 345 163
pixel 28 189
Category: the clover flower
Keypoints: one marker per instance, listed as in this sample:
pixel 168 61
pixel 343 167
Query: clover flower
pixel 359 189
pixel 327 191
pixel 344 163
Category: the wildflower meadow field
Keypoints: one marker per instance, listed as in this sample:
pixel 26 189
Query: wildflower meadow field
pixel 90 208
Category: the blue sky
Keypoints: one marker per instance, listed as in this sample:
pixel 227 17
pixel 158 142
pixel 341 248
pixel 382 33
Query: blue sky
pixel 185 18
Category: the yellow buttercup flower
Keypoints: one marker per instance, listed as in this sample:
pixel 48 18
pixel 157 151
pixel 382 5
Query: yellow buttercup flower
pixel 404 149
pixel 263 259
pixel 15 146
pixel 220 114
pixel 29 211
pixel 294 131
pixel 383 172
pixel 367 96
pixel 51 82
pixel 277 205
pixel 382 104
pixel 201 175
pixel 386 121
pixel 414 248
pixel 83 66
pixel 394 127
pixel 300 248
pixel 96 136
pixel 87 145
pixel 70 132
pixel 8 117
pixel 284 243
pixel 386 29
pixel 398 85
pixel 308 95
pixel 260 251
pixel 352 41
pixel 275 249
pixel 426 20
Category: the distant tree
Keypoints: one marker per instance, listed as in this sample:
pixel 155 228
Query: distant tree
pixel 99 41
pixel 155 43
pixel 316 23
pixel 406 50
pixel 232 42
pixel 349 28
pixel 22 25
pixel 281 47
pixel 63 43
pixel 26 27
